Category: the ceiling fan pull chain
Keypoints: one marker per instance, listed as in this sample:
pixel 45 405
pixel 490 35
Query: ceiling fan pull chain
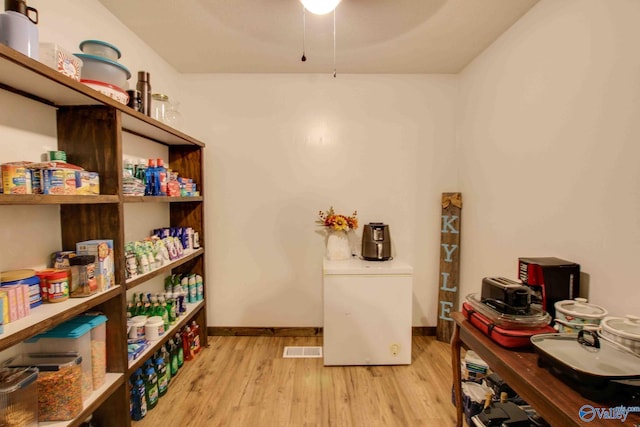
pixel 334 43
pixel 304 33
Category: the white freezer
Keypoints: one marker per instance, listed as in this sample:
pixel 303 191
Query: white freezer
pixel 367 312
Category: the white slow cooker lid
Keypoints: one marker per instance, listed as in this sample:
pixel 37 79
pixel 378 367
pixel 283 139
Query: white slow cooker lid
pixel 626 327
pixel 580 308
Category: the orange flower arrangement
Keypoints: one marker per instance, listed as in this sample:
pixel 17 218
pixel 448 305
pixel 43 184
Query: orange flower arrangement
pixel 338 222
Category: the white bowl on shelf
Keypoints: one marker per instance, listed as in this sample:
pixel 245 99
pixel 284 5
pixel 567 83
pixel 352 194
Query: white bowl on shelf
pixel 100 48
pixel 112 91
pixel 102 69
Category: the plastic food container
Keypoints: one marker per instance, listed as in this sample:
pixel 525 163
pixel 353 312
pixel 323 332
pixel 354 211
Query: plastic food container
pixel 154 328
pixel 61 60
pixel 98 324
pixel 100 48
pixel 624 331
pixel 575 315
pixel 59 383
pixel 113 92
pixel 18 397
pixel 103 70
pixel 538 319
pixel 83 281
pixel 69 337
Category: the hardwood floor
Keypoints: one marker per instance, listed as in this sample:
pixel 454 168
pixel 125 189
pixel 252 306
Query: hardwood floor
pixel 245 381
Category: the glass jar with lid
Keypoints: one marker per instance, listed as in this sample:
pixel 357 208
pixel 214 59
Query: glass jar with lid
pixel 159 106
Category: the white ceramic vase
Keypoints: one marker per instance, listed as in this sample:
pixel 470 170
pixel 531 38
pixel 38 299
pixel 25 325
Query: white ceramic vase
pixel 338 247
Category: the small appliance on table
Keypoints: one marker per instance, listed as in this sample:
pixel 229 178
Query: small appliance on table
pixel 367 312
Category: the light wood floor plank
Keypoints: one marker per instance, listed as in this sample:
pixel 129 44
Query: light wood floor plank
pixel 245 382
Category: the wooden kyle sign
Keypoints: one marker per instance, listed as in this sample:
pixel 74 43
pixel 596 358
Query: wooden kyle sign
pixel 449 264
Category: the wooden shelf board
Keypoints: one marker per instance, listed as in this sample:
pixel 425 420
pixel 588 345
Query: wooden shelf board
pixel 161 199
pixel 46 199
pixel 47 315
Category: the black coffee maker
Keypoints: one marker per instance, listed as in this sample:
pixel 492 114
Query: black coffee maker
pixel 550 280
pixel 376 242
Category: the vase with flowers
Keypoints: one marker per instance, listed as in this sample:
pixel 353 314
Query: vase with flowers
pixel 337 228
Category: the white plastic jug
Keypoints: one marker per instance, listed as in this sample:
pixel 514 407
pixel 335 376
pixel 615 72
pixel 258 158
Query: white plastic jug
pixel 18 29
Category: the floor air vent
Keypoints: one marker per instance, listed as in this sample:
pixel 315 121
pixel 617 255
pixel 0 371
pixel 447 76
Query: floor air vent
pixel 302 352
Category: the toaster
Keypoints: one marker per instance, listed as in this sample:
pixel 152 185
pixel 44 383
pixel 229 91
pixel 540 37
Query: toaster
pixel 506 296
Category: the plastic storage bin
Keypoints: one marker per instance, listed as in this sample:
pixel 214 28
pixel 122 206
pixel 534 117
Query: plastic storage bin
pixel 98 324
pixel 59 383
pixel 67 337
pixel 18 397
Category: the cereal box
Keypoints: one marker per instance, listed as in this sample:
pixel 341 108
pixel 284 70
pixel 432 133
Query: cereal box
pixel 103 251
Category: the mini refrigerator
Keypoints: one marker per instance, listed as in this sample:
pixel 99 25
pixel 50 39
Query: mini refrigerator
pixel 367 312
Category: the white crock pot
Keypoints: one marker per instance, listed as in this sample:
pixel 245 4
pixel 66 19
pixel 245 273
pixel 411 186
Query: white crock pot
pixel 575 315
pixel 623 330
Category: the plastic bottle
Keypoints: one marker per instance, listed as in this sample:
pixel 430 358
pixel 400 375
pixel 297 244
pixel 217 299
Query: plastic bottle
pixel 141 171
pixel 193 290
pixel 171 309
pixel 195 329
pixel 163 376
pixel 139 397
pixel 186 343
pixel 161 178
pixel 166 356
pixel 150 175
pixel 162 311
pixel 128 168
pixel 173 351
pixel 178 342
pixel 151 385
pixel 199 288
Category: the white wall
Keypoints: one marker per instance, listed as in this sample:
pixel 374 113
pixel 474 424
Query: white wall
pixel 548 131
pixel 282 147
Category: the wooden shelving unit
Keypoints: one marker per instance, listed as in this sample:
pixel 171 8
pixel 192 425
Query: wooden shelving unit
pixel 90 129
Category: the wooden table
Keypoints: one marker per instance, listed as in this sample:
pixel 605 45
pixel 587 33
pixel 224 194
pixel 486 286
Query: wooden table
pixel 552 398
